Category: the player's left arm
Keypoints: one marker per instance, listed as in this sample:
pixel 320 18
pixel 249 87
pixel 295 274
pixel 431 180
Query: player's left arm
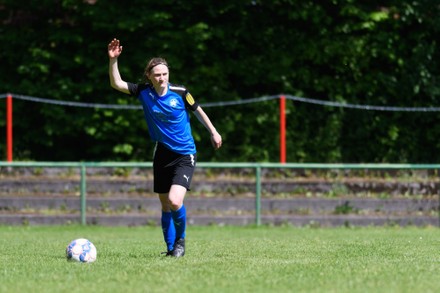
pixel 191 104
pixel 216 138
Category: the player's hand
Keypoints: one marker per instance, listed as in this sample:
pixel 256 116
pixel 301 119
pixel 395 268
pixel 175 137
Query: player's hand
pixel 114 49
pixel 216 140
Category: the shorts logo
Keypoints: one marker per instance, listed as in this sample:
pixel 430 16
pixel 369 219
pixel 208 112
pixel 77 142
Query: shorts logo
pixel 186 177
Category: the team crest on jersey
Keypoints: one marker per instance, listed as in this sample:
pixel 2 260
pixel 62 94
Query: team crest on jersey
pixel 190 99
pixel 173 103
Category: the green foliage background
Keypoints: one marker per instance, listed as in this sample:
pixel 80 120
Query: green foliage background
pixel 358 52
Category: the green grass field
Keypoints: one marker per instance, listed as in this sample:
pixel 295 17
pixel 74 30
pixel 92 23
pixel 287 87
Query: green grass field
pixel 223 259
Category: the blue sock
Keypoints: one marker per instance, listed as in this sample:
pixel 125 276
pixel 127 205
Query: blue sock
pixel 179 218
pixel 169 232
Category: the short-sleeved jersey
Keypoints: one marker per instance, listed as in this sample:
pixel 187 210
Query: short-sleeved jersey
pixel 167 116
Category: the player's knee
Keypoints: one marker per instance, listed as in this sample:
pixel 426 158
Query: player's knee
pixel 175 204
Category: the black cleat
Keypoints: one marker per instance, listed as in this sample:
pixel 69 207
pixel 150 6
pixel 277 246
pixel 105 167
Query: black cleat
pixel 179 248
pixel 167 253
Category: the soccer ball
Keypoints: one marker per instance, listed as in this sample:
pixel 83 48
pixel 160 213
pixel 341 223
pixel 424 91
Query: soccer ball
pixel 81 250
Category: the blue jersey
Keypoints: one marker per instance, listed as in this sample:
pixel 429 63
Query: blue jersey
pixel 167 116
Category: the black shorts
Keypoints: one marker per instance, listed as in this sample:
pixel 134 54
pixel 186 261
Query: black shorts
pixel 172 168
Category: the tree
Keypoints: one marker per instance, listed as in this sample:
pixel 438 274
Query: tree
pixel 358 52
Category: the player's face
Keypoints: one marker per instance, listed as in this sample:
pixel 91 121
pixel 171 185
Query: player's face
pixel 159 76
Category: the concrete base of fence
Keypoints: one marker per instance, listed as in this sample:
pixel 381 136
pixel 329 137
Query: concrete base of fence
pixel 222 211
pixel 142 220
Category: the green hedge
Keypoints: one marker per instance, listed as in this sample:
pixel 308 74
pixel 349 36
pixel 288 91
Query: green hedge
pixel 348 51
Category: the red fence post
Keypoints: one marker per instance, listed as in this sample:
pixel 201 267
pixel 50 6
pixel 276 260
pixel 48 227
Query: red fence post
pixel 9 128
pixel 282 129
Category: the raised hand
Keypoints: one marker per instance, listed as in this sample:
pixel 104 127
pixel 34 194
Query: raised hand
pixel 114 49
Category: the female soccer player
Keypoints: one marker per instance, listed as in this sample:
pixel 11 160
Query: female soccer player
pixel 166 111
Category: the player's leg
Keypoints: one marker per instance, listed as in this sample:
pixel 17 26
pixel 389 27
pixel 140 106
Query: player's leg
pixel 168 229
pixel 183 173
pixel 178 213
pixel 162 184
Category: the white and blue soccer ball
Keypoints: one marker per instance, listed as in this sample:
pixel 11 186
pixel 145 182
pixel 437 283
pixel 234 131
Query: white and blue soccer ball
pixel 81 250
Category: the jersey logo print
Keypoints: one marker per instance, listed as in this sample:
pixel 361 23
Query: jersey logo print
pixel 173 103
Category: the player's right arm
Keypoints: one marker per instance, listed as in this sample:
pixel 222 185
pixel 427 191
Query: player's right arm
pixel 114 50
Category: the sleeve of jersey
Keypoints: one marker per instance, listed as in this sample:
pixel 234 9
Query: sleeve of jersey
pixel 190 102
pixel 133 89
